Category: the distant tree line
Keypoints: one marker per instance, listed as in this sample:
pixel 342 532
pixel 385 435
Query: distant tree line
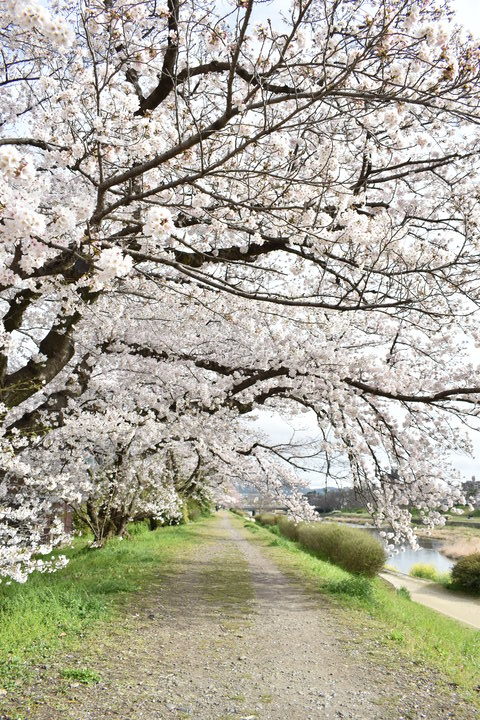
pixel 329 499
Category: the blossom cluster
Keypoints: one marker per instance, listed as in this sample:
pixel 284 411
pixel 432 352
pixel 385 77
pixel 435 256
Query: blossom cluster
pixel 33 16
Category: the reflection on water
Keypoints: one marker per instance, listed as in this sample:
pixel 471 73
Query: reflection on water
pixel 428 553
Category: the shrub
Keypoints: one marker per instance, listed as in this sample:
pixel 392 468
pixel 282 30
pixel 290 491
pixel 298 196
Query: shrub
pixel 404 592
pixel 423 570
pixel 194 509
pixel 444 578
pixel 267 518
pixel 137 528
pixel 429 572
pixel 466 573
pixel 288 528
pixel 352 549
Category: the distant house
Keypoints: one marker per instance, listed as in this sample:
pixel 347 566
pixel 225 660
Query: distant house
pixel 471 488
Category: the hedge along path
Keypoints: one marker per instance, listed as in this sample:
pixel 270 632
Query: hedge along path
pixel 349 548
pixel 356 551
pixel 230 636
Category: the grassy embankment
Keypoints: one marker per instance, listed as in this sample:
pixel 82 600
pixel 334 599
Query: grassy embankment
pixel 59 612
pixel 421 635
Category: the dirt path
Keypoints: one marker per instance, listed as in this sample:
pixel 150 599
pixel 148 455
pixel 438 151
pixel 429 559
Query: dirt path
pixel 432 595
pixel 229 637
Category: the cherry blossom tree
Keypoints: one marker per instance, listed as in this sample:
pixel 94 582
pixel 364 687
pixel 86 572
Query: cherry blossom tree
pixel 246 212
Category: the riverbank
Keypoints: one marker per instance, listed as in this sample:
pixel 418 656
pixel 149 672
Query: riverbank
pixel 424 571
pixel 454 530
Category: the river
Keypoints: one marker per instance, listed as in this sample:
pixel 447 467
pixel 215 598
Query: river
pixel 429 553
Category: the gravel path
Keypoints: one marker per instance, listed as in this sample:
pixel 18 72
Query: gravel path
pixel 229 637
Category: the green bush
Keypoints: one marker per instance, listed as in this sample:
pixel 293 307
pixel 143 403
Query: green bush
pixel 288 528
pixel 353 550
pixel 137 528
pixel 194 508
pixel 267 519
pixel 429 572
pixel 466 573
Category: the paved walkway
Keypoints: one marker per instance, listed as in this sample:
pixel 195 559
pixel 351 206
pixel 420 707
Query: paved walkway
pixel 436 597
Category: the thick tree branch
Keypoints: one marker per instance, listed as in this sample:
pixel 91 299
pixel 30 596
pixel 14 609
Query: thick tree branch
pixel 57 346
pixel 167 77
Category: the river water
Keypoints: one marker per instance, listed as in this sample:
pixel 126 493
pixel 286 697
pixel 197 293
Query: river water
pixel 429 553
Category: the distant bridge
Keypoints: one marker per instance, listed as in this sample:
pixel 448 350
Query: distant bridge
pixel 254 509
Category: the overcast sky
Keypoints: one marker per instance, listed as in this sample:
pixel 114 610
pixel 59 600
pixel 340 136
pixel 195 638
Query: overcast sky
pixel 281 430
pixel 468 12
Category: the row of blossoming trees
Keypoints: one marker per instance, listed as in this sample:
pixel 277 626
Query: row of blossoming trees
pixel 208 208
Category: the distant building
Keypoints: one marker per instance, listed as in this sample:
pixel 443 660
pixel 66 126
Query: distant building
pixel 471 488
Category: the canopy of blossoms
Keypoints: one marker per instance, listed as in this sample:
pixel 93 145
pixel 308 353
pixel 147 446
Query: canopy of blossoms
pixel 209 208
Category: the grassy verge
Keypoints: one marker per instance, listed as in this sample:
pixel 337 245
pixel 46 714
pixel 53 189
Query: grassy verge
pixel 56 612
pixel 422 635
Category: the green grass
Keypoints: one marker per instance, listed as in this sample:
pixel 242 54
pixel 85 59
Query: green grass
pixel 357 511
pixel 463 520
pixel 419 633
pixel 81 675
pixel 54 612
